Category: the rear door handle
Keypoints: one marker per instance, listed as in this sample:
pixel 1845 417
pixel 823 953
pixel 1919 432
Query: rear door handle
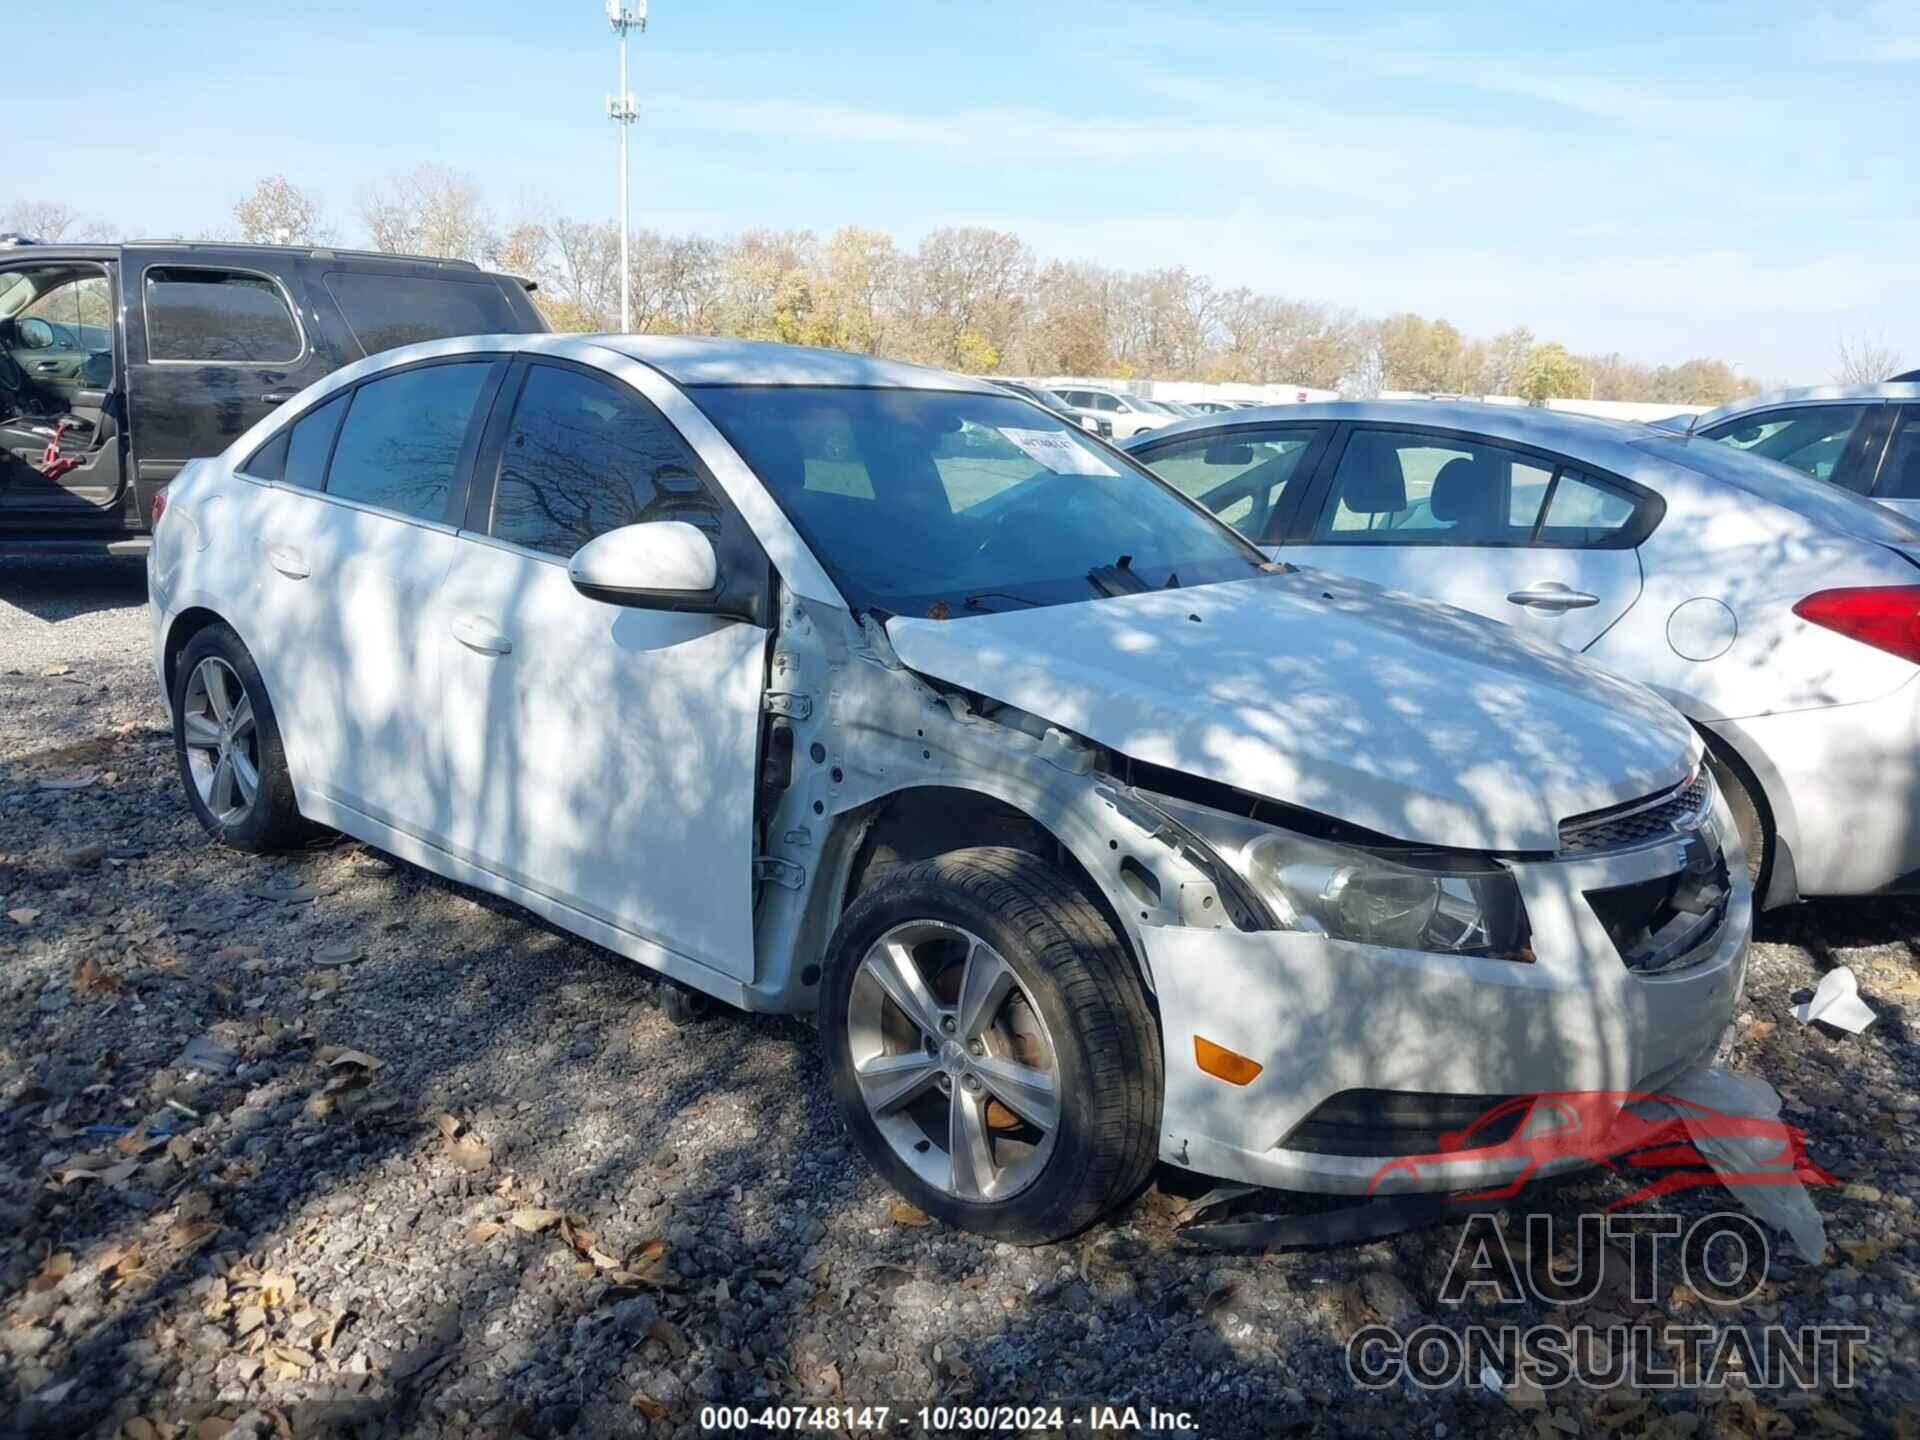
pixel 1552 597
pixel 278 397
pixel 289 562
pixel 476 632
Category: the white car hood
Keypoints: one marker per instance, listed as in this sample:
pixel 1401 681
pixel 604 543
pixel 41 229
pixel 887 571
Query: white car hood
pixel 1401 715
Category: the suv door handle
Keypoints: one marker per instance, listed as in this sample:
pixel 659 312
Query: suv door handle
pixel 476 632
pixel 289 562
pixel 278 397
pixel 1552 597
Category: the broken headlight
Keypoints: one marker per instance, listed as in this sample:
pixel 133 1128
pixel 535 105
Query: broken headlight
pixel 1445 903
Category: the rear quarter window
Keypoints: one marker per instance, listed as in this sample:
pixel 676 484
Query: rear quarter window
pixel 384 311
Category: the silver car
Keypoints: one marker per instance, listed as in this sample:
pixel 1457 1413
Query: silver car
pixel 1865 438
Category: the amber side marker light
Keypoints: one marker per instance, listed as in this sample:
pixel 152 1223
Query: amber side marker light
pixel 1224 1064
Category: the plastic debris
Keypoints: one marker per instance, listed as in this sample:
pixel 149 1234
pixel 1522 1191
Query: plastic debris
pixel 1837 1003
pixel 1782 1200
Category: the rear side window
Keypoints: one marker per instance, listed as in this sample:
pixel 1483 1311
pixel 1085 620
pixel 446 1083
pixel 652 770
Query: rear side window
pixel 1900 471
pixel 1394 488
pixel 1807 437
pixel 218 316
pixel 388 310
pixel 1240 477
pixel 298 454
pixel 400 443
pixel 584 456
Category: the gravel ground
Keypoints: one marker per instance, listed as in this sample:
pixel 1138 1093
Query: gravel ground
pixel 407 1159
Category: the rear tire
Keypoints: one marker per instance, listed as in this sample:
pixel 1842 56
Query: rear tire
pixel 1019 976
pixel 226 741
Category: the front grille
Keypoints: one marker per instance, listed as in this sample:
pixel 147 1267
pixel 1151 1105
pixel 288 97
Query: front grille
pixel 1640 822
pixel 1661 923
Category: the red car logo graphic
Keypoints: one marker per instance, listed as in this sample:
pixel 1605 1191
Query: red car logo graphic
pixel 1617 1129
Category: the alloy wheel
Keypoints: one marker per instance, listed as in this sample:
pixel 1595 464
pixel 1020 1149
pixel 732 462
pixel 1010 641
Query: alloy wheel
pixel 222 740
pixel 953 1060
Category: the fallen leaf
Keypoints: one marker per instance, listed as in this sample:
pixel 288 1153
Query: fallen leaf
pixel 96 1170
pixel 250 1319
pixel 905 1214
pixel 335 1056
pixel 470 1153
pixel 57 1268
pixel 1866 1252
pixel 485 1231
pixel 191 1235
pixel 212 1428
pixel 447 1125
pixel 533 1219
pixel 668 1334
pixel 89 975
pixel 648 1406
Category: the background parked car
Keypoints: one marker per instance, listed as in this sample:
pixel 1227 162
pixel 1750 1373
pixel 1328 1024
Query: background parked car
pixel 1128 414
pixel 1096 424
pixel 119 363
pixel 1864 438
pixel 1781 615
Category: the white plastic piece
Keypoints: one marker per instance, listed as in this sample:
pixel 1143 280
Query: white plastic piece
pixel 1783 1204
pixel 1837 1002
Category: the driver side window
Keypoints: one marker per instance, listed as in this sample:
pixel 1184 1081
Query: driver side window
pixel 60 341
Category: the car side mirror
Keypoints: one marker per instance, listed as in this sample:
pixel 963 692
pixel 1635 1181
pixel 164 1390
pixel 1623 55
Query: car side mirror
pixel 1228 454
pixel 657 565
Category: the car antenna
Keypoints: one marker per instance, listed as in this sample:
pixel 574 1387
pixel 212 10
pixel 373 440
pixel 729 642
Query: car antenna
pixel 1692 420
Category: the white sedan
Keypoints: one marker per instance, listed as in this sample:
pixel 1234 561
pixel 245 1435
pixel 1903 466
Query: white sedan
pixel 821 683
pixel 1779 614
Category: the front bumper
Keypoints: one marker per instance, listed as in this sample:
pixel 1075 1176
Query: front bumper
pixel 1325 1017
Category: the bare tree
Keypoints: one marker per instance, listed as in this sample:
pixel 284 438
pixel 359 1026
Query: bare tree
pixel 278 212
pixel 1865 359
pixel 50 222
pixel 429 211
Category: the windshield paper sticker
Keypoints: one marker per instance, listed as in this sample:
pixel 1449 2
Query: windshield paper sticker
pixel 1060 453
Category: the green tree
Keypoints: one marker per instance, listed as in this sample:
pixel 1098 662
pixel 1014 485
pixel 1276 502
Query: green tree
pixel 1550 373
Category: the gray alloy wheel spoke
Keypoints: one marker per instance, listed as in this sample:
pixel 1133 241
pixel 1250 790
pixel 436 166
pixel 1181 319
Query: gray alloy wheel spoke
pixel 899 975
pixel 214 676
pixel 891 1081
pixel 240 723
pixel 222 799
pixel 203 733
pixel 245 774
pixel 1028 1092
pixel 984 987
pixel 971 1158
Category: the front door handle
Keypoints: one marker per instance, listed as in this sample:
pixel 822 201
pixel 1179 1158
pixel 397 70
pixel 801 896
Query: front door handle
pixel 47 366
pixel 289 562
pixel 476 632
pixel 278 397
pixel 1552 598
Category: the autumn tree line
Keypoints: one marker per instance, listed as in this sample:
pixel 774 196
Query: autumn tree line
pixel 967 298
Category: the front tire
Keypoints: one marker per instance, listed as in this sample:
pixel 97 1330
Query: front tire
pixel 226 740
pixel 990 1044
pixel 1749 817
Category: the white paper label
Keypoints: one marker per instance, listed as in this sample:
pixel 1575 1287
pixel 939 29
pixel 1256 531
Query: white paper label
pixel 1059 452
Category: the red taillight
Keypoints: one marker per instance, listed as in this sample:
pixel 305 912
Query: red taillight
pixel 1886 617
pixel 157 508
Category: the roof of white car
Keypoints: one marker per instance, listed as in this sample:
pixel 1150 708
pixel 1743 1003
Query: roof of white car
pixel 1549 429
pixel 1813 395
pixel 695 360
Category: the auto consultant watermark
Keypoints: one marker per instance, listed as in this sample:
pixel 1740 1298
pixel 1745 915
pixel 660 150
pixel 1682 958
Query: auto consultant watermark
pixel 1722 1257
pixel 1662 1144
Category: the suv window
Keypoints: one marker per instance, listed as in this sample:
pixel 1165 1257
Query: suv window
pixel 1807 437
pixel 584 456
pixel 400 443
pixel 218 315
pixel 388 310
pixel 1240 477
pixel 1400 488
pixel 1900 471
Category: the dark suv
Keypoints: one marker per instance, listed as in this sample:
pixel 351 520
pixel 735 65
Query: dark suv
pixel 119 363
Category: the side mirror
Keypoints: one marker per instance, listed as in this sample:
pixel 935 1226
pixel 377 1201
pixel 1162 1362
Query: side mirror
pixel 659 565
pixel 1228 454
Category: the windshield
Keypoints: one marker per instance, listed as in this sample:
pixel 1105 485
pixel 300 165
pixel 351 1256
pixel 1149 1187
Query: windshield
pixel 1818 500
pixel 930 502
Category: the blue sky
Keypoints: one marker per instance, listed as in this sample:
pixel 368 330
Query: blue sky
pixel 1663 180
